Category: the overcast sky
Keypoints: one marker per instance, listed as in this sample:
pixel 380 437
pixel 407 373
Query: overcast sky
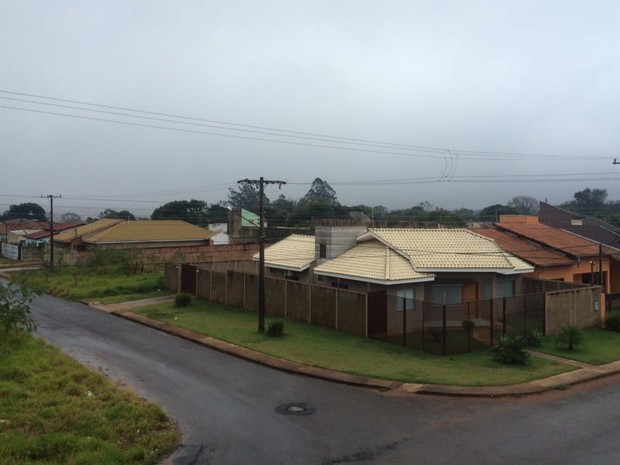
pixel 458 103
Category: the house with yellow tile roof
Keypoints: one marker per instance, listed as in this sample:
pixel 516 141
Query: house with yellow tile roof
pixel 164 238
pixel 396 267
pixel 361 257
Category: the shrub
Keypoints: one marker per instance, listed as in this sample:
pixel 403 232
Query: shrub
pixel 15 300
pixel 570 336
pixel 182 300
pixel 534 338
pixel 275 328
pixel 510 351
pixel 612 322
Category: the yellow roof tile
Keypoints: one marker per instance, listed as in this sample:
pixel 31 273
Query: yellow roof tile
pixel 296 252
pixel 432 250
pixel 83 230
pixel 150 231
pixel 373 262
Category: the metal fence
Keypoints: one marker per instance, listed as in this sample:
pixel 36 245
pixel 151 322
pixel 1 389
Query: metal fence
pixel 465 327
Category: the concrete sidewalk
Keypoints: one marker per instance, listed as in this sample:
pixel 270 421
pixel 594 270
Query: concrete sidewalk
pixel 584 372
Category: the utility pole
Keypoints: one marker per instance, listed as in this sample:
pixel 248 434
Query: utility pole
pixel 261 241
pixel 51 197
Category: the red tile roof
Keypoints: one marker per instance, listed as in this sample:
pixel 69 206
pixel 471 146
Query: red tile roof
pixel 526 250
pixel 555 238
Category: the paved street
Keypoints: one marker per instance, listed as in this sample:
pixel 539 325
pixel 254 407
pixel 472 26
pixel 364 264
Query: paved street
pixel 226 407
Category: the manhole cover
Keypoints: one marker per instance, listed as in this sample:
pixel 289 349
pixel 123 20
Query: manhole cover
pixel 295 409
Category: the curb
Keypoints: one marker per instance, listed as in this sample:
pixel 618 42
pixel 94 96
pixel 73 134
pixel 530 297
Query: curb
pixel 559 382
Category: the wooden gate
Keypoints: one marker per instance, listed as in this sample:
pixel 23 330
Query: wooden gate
pixel 188 279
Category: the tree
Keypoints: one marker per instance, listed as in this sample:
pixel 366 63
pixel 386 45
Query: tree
pixel 121 215
pixel 524 204
pixel 29 211
pixel 193 211
pixel 493 212
pixel 280 211
pixel 466 214
pixel 247 197
pixel 590 201
pixel 70 217
pixel 217 213
pixel 15 300
pixel 321 190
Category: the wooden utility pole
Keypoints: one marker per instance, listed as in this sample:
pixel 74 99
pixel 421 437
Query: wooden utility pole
pixel 260 183
pixel 51 197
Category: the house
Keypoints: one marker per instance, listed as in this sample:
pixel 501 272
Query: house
pixel 42 237
pixel 594 229
pixel 457 264
pixel 396 268
pixel 172 240
pixel 584 260
pixel 443 266
pixel 400 285
pixel 243 225
pixel 291 258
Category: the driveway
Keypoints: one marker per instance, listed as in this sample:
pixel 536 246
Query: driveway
pixel 232 411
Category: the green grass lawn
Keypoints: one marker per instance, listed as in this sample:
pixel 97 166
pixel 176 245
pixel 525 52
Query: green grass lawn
pixel 77 284
pixel 55 411
pixel 326 348
pixel 598 347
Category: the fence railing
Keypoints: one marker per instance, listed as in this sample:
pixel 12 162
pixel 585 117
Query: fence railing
pixel 464 327
pixel 435 328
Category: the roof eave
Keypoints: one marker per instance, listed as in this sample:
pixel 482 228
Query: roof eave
pixel 375 281
pixel 474 270
pixel 280 266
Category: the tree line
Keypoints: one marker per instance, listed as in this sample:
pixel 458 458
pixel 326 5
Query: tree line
pixel 321 201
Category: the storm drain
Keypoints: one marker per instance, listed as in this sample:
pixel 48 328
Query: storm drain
pixel 296 408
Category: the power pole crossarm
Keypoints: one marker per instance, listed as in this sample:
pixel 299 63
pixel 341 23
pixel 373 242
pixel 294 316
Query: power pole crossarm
pixel 261 241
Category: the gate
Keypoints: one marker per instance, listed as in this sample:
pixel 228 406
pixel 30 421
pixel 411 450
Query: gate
pixel 188 279
pixel 377 315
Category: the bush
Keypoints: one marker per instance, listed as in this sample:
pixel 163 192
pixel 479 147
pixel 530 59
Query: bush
pixel 534 338
pixel 612 322
pixel 570 336
pixel 275 328
pixel 182 300
pixel 15 300
pixel 510 351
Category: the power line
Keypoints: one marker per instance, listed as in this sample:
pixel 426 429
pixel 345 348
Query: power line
pixel 231 126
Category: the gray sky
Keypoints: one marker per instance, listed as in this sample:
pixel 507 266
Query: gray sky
pixel 535 80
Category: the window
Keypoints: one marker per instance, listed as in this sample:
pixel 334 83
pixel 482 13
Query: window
pixel 506 288
pixel 446 294
pixel 404 299
pixel 322 250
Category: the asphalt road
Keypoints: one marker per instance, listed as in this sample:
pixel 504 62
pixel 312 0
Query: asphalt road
pixel 227 408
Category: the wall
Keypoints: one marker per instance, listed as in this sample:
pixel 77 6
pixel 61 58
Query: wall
pixel 171 277
pixel 579 307
pixel 337 239
pixel 332 308
pixel 175 254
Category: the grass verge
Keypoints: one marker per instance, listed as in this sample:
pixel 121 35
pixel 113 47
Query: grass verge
pixel 598 347
pixel 77 284
pixel 335 350
pixel 55 411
